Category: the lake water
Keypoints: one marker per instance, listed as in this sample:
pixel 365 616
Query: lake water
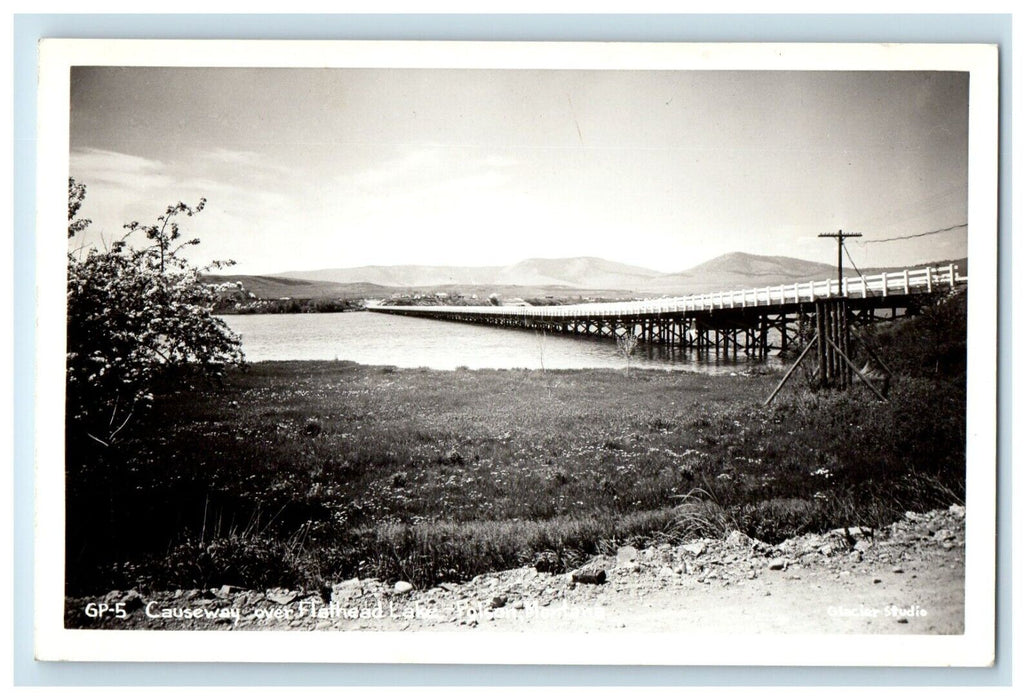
pixel 381 339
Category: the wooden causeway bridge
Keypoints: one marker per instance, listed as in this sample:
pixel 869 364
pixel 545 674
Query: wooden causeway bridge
pixel 750 321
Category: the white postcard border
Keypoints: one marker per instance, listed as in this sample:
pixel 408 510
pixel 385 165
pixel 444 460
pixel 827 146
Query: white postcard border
pixel 974 648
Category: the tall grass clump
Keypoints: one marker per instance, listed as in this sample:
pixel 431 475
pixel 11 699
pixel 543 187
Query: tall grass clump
pixel 429 552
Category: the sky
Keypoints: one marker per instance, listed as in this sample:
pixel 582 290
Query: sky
pixel 308 168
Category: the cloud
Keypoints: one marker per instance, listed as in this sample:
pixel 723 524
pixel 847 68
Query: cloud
pixel 113 169
pixel 247 203
pixel 427 167
pixel 241 163
pixel 225 155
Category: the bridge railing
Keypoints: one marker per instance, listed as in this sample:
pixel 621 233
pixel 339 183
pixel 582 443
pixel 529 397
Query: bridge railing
pixel 880 285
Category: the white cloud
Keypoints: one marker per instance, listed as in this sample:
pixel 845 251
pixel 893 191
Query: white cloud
pixel 241 163
pixel 247 204
pixel 426 166
pixel 111 169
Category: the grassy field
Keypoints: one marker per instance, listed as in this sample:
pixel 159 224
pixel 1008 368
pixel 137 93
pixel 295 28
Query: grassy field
pixel 301 474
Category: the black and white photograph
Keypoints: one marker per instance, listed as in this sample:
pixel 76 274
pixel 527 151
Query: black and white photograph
pixel 517 353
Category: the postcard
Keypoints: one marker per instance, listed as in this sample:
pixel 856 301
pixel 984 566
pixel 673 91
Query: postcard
pixel 521 353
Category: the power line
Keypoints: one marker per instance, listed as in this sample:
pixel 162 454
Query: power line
pixel 859 273
pixel 914 235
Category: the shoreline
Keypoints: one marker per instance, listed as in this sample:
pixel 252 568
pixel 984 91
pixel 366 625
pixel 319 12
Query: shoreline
pixel 750 368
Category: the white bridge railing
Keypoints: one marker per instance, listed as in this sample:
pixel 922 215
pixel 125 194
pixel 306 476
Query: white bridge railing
pixel 886 284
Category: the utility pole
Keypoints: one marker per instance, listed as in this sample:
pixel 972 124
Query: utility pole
pixel 839 236
pixel 831 341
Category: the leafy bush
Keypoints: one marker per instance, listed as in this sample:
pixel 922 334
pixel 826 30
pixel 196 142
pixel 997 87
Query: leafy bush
pixel 932 344
pixel 134 315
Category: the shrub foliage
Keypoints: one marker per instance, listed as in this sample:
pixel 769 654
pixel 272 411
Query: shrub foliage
pixel 136 312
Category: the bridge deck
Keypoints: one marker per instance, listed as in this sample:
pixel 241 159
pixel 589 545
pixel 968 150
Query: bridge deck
pixel 881 290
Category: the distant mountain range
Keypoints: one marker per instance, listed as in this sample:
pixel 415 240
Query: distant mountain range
pixel 563 275
pixel 577 273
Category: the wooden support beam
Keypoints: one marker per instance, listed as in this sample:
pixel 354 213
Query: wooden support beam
pixel 823 370
pixel 858 372
pixel 791 370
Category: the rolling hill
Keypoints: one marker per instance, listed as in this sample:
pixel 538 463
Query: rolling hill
pixel 578 273
pixel 739 270
pixel 405 276
pixel 730 271
pixel 272 287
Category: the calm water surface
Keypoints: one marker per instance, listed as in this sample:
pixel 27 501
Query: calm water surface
pixel 381 339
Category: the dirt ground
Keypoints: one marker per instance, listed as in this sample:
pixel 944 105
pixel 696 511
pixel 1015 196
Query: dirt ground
pixel 904 579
